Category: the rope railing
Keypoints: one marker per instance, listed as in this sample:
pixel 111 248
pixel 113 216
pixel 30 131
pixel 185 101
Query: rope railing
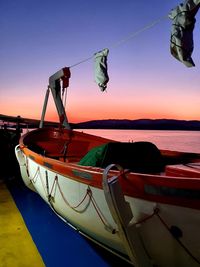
pixel 77 205
pixel 92 200
pixel 88 193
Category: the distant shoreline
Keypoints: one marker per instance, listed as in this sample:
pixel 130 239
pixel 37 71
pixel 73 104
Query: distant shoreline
pixel 140 124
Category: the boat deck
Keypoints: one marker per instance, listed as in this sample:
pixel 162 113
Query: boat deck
pixel 32 235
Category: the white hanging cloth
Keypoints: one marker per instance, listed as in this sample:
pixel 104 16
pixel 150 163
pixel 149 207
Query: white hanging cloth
pixel 101 70
pixel 183 17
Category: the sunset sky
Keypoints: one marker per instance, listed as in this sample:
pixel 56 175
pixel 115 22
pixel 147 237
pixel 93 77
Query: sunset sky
pixel 39 37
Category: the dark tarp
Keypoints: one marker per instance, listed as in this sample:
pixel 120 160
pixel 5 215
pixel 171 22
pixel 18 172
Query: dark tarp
pixel 143 157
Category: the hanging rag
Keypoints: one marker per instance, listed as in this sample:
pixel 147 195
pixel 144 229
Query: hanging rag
pixel 183 17
pixel 101 72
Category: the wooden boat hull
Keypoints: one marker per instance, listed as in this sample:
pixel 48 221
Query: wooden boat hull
pixel 166 209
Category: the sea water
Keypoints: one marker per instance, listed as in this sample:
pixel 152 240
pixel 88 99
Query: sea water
pixel 186 141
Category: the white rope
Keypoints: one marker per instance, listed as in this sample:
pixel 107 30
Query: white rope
pixel 80 62
pixel 126 39
pixel 134 34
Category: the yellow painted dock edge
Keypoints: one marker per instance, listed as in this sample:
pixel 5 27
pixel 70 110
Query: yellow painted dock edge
pixel 17 248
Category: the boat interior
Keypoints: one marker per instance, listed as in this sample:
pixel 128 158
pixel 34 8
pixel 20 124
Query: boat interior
pixel 88 150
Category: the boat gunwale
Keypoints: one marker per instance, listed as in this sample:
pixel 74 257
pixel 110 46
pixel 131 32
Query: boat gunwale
pixel 80 173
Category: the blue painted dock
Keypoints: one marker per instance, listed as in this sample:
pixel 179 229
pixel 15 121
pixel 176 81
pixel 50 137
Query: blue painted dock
pixel 57 243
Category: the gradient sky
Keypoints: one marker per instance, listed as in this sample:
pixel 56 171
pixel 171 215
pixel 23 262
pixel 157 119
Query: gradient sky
pixel 39 37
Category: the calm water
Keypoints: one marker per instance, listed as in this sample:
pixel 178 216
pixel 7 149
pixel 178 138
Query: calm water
pixel 188 141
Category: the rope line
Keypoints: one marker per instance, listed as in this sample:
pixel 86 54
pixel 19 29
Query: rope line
pixel 178 240
pixel 156 212
pixel 27 167
pixel 35 176
pixel 194 165
pixel 82 61
pixel 91 199
pixel 54 182
pixel 147 218
pixel 74 207
pixel 126 39
pixel 101 216
pixel 134 34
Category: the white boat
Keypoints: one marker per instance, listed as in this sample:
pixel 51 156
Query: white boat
pixel 140 203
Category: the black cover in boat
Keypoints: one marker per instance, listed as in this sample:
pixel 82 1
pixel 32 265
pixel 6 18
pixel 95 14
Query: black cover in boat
pixel 142 157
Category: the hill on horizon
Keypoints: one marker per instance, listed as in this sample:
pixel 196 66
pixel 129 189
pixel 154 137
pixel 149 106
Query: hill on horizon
pixel 141 124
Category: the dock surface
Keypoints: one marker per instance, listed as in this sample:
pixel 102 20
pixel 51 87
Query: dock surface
pixel 15 239
pixel 32 235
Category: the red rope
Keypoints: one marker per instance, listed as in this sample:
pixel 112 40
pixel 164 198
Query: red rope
pixel 148 217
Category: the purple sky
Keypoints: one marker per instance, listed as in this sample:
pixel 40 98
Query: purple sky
pixel 40 37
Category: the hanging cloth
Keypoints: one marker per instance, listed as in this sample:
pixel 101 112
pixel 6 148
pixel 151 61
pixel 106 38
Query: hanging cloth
pixel 101 73
pixel 183 17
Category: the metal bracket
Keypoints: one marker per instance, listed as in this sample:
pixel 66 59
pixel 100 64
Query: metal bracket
pixel 122 215
pixel 55 87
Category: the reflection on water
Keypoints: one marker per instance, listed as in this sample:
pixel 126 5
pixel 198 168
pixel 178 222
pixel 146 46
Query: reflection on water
pixel 188 141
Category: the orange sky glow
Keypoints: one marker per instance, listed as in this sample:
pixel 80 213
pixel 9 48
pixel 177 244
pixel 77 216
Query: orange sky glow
pixel 145 80
pixel 85 107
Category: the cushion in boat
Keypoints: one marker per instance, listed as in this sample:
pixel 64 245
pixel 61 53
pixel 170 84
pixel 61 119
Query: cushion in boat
pixel 143 157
